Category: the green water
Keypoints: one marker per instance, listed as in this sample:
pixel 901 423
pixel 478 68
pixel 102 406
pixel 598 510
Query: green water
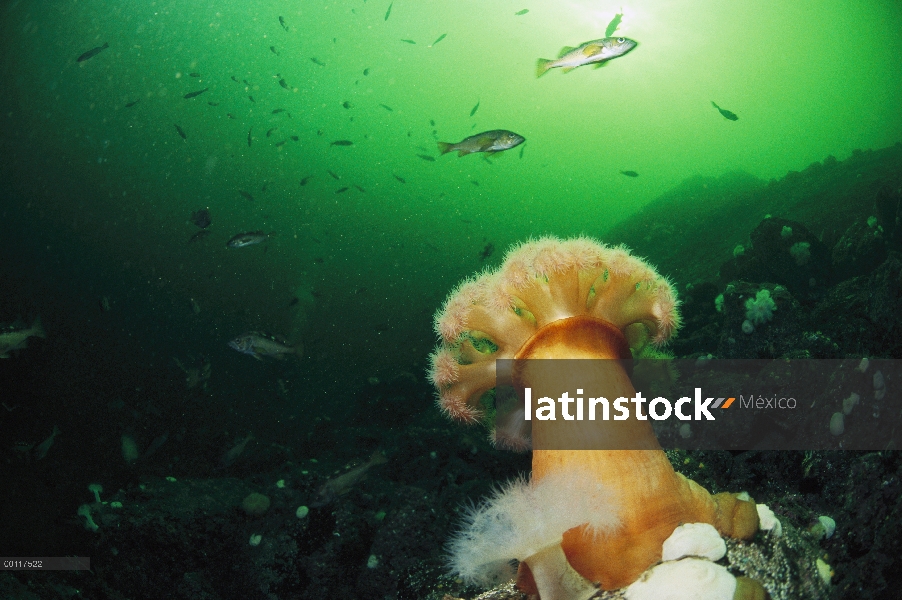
pixel 807 79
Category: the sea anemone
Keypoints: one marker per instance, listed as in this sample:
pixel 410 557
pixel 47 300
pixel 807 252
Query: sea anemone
pixel 566 299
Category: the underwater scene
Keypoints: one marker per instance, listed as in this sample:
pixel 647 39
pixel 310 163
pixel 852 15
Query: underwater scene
pixel 293 294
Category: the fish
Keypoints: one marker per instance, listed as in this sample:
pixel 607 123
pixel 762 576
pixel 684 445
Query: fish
pixel 16 337
pixel 294 301
pixel 234 452
pixel 278 110
pixel 181 132
pixel 259 345
pixel 155 444
pixel 629 173
pixel 360 188
pixel 193 74
pixel 306 179
pixel 92 52
pixel 487 251
pixel 399 178
pixel 612 26
pixel 282 143
pixel 593 52
pixel 520 13
pixel 105 304
pixel 273 50
pixel 387 13
pixel 341 484
pixel 231 116
pixel 333 174
pixel 346 104
pixel 41 450
pixel 241 240
pixel 490 142
pixel 342 190
pixel 475 108
pixel 282 23
pixel 251 98
pixel 440 38
pixel 283 84
pixel 366 72
pixel 199 235
pixel 190 95
pixel 426 157
pixel 201 218
pixel 319 62
pixel 249 137
pixel 246 195
pixel 522 148
pixel 213 103
pixel 235 79
pixel 726 114
pixel 269 133
pixel 386 107
pixel 474 182
pixel 131 104
pixel 408 41
pixel 342 143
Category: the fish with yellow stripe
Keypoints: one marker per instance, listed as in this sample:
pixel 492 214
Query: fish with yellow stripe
pixel 596 52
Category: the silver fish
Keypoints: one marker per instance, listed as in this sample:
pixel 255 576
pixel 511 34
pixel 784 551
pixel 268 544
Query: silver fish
pixel 246 239
pixel 341 484
pixel 259 345
pixel 594 52
pixel 489 142
pixel 16 339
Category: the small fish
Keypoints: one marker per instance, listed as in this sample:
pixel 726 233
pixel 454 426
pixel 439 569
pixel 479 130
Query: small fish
pixel 213 103
pixel 251 98
pixel 246 82
pixel 520 13
pixel 199 235
pixel 342 190
pixel 92 52
pixel 241 240
pixel 360 188
pixel 17 338
pixel 282 143
pixel 399 178
pixel 181 132
pixel 319 62
pixel 278 110
pixel 155 445
pixel 387 14
pixel 522 148
pixel 194 94
pixel 629 173
pixel 131 104
pixel 229 457
pixel 282 23
pixel 249 137
pixel 386 107
pixel 193 74
pixel 283 84
pixel 346 104
pixel 332 173
pixel 246 195
pixel 342 143
pixel 295 138
pixel 408 41
pixel 41 450
pixel 306 179
pixel 343 483
pixel 440 38
pixel 593 52
pixel 273 50
pixel 230 115
pixel 259 345
pixel 475 108
pixel 235 79
pixel 426 157
pixel 294 301
pixel 726 114
pixel 474 182
pixel 366 72
pixel 487 251
pixel 612 26
pixel 105 304
pixel 201 218
pixel 432 122
pixel 269 133
pixel 489 142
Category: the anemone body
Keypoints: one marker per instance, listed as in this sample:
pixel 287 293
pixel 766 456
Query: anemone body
pixel 577 299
